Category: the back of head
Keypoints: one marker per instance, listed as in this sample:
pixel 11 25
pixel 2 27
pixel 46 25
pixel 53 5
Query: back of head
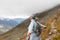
pixel 34 17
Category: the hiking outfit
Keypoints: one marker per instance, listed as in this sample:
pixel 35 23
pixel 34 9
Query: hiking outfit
pixel 32 26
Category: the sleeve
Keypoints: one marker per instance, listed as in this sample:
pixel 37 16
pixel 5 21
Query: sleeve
pixel 30 28
pixel 41 24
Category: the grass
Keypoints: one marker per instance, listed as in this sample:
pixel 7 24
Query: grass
pixel 48 24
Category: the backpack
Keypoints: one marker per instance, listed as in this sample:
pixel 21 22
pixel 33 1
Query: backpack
pixel 38 29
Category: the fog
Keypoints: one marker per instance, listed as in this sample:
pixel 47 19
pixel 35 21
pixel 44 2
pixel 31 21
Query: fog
pixel 24 8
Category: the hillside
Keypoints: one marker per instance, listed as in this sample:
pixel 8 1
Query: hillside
pixel 19 32
pixel 6 23
pixel 47 18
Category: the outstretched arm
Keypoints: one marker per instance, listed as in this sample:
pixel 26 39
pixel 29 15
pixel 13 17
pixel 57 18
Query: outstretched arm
pixel 41 24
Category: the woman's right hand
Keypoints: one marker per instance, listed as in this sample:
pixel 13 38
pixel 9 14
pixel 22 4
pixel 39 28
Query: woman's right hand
pixel 28 34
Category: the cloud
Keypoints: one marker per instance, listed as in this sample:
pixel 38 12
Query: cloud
pixel 24 8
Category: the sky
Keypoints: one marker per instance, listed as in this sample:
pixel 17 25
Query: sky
pixel 24 8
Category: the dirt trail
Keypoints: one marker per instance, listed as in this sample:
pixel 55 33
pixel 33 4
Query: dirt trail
pixel 51 35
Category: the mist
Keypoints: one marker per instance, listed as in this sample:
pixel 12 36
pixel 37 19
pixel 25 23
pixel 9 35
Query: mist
pixel 24 8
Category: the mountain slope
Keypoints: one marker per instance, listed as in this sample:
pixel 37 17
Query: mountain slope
pixel 19 32
pixel 7 24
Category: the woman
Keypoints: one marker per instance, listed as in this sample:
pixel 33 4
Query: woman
pixel 31 34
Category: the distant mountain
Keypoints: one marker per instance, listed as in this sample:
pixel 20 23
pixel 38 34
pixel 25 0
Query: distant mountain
pixel 18 20
pixel 7 24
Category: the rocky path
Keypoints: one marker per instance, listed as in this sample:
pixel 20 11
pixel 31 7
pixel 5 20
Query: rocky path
pixel 52 32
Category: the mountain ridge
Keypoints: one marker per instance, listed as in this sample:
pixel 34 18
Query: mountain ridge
pixel 7 24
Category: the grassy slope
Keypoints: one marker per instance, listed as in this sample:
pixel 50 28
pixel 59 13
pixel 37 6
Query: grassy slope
pixel 57 24
pixel 47 23
pixel 20 30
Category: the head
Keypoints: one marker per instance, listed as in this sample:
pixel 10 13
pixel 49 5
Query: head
pixel 33 17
